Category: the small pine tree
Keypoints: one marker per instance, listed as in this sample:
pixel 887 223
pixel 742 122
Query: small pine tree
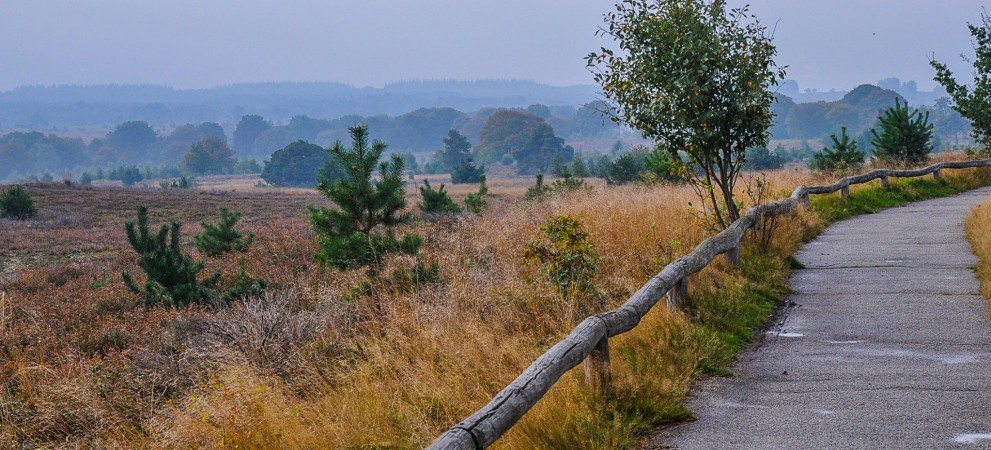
pixel 184 183
pixel 221 237
pixel 579 167
pixel 348 237
pixel 86 179
pixel 538 190
pixel 16 203
pixel 568 183
pixel 436 201
pixel 905 137
pixel 172 274
pixel 475 202
pixel 842 156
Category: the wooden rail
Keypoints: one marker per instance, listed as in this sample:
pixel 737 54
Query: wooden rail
pixel 589 341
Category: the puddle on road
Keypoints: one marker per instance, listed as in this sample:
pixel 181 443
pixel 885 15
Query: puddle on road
pixel 728 404
pixel 972 438
pixel 785 334
pixel 959 359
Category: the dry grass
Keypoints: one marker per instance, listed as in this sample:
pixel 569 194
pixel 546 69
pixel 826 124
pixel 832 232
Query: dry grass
pixel 82 365
pixel 978 227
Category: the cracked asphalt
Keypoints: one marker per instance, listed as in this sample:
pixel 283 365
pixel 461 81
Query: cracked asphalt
pixel 886 343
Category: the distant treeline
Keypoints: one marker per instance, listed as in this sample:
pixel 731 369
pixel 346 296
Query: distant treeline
pixel 135 142
pixel 131 143
pixel 417 131
pixel 257 137
pixel 858 111
pixel 55 107
pixel 907 89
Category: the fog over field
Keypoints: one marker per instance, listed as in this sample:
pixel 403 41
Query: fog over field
pixel 185 44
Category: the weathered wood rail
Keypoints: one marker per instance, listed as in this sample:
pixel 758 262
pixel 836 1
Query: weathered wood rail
pixel 589 341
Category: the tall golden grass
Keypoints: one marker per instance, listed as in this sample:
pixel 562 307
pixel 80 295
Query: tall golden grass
pixel 978 229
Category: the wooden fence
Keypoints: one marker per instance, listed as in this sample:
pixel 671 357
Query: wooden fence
pixel 589 341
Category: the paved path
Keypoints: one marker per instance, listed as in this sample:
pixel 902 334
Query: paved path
pixel 886 343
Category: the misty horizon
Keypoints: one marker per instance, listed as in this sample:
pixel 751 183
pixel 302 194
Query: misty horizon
pixel 188 45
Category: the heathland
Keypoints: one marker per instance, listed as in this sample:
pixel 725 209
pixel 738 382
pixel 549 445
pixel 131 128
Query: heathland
pixel 83 363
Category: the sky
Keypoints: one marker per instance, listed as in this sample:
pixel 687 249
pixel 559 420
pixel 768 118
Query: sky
pixel 203 43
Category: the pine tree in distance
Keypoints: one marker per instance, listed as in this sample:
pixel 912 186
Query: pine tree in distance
pixel 842 156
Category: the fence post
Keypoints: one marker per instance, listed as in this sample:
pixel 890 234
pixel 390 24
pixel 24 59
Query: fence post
pixel 733 256
pixel 677 294
pixel 845 192
pixel 885 183
pixel 937 175
pixel 597 373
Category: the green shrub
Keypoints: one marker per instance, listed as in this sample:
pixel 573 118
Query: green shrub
pixel 436 201
pixel 16 203
pixel 130 175
pixel 221 237
pixel 626 168
pixel 659 165
pixel 245 286
pixel 172 274
pixel 761 158
pixel 297 164
pixel 568 258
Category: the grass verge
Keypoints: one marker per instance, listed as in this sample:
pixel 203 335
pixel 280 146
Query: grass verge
pixel 978 228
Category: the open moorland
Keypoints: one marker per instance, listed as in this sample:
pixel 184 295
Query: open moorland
pixel 84 364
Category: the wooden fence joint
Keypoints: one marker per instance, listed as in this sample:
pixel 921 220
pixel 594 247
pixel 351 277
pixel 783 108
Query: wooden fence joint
pixel 733 256
pixel 678 294
pixel 597 371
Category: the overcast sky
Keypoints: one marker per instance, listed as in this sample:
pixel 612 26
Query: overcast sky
pixel 203 43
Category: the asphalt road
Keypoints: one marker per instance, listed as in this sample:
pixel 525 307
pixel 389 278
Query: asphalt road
pixel 885 343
